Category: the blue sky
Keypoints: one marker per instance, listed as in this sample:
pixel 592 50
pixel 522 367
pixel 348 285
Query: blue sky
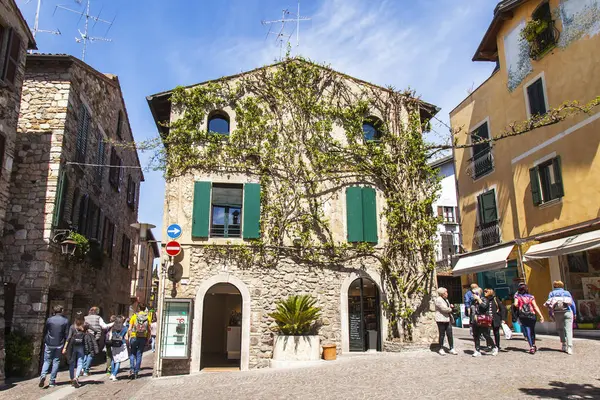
pixel 426 45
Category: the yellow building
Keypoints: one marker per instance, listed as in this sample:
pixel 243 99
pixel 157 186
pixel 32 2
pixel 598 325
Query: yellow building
pixel 530 204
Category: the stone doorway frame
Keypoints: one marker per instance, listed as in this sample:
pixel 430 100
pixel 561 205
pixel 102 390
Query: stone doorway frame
pixel 198 315
pixel 383 322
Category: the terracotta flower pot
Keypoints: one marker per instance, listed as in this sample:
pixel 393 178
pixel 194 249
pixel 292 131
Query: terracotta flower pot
pixel 329 352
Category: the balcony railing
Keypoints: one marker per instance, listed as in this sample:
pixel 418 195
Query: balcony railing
pixel 229 231
pixel 544 41
pixel 482 164
pixel 487 234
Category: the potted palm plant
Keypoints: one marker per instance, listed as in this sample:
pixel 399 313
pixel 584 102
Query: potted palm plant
pixel 296 342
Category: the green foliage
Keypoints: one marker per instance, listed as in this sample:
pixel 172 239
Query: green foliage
pixel 533 29
pixel 83 244
pixel 296 315
pixel 298 131
pixel 19 353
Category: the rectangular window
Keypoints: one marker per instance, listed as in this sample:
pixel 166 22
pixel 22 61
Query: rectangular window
pixel 226 210
pixel 100 159
pixel 11 57
pixel 125 250
pixel 448 246
pixel 82 134
pixel 361 214
pixel 115 174
pixel 2 151
pixel 131 187
pixel 546 181
pixel 108 237
pixel 120 125
pixel 449 216
pixel 486 204
pixel 536 98
pixel 482 160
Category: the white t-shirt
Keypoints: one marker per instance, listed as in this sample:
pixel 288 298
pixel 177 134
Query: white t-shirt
pixel 153 329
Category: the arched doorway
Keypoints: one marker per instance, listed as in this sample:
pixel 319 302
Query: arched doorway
pixel 364 315
pixel 221 327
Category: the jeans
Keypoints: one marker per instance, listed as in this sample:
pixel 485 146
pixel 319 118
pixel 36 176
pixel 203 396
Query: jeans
pixel 564 326
pixel 528 326
pixel 109 359
pixel 153 342
pixel 114 368
pixel 445 329
pixel 87 362
pixel 137 349
pixel 496 330
pixel 76 360
pixel 477 332
pixel 51 358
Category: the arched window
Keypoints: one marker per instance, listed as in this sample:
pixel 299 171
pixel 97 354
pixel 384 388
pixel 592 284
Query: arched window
pixel 372 129
pixel 218 122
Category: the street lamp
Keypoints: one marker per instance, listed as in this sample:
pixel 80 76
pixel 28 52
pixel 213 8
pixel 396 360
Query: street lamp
pixel 143 228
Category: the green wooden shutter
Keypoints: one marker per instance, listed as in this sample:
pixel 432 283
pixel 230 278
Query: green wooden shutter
pixel 487 207
pixel 369 212
pixel 201 212
pixel 60 193
pixel 354 214
pixel 251 211
pixel 536 193
pixel 557 188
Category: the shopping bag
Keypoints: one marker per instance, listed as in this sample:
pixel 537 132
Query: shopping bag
pixel 507 332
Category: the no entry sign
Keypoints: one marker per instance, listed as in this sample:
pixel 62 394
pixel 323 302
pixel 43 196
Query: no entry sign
pixel 173 248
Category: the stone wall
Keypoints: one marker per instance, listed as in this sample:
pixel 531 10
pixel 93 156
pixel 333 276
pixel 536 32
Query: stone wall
pixel 54 90
pixel 10 95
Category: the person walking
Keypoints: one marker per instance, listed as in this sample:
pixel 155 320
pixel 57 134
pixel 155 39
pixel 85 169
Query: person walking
pixel 444 320
pixel 481 321
pixel 116 342
pixel 90 348
pixel 526 309
pixel 499 314
pixel 57 330
pixel 97 325
pixel 153 329
pixel 113 318
pixel 138 333
pixel 75 351
pixel 562 309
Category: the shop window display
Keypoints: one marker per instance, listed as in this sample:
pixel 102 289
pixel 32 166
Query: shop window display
pixel 176 329
pixel 582 276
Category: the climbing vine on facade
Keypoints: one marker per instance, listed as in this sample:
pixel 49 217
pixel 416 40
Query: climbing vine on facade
pixel 299 132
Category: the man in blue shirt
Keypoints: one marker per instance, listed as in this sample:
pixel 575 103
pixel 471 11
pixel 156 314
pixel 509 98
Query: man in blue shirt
pixel 57 330
pixel 469 298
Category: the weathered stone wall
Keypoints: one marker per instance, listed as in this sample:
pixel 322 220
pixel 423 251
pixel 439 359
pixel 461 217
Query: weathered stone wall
pixel 10 95
pixel 54 90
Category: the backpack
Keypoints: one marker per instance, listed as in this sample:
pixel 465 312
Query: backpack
pixel 116 339
pixel 561 303
pixel 78 338
pixel 525 308
pixel 140 327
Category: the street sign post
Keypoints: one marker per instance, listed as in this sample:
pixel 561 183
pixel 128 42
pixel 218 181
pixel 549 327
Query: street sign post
pixel 173 248
pixel 174 231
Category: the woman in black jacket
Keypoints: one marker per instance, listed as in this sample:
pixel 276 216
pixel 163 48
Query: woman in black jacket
pixel 498 313
pixel 481 321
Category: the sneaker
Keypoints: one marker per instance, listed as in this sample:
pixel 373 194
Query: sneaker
pixel 532 350
pixel 130 376
pixel 477 354
pixel 570 350
pixel 453 352
pixel 495 351
pixel 75 383
pixel 113 378
pixel 441 352
pixel 52 384
pixel 42 381
pixel 135 376
pixel 86 373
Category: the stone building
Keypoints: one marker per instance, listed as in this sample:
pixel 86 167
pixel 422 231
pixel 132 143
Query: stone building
pixel 141 276
pixel 209 293
pixel 75 170
pixel 15 40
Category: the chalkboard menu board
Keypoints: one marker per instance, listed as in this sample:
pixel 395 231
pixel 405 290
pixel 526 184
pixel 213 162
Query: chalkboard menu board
pixel 356 332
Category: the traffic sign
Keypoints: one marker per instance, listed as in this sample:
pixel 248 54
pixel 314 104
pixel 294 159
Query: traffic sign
pixel 173 248
pixel 174 231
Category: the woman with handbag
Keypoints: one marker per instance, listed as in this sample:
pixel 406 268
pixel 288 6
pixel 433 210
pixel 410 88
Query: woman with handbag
pixel 527 309
pixel 481 320
pixel 499 314
pixel 444 320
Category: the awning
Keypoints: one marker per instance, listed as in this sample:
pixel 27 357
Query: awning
pixel 568 245
pixel 489 260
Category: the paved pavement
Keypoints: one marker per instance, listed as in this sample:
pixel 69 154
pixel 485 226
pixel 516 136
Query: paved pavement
pixel 418 374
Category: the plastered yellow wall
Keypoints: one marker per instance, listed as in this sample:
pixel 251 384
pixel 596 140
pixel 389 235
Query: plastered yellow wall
pixel 570 73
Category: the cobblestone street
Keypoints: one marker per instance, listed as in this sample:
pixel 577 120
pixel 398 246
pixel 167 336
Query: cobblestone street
pixel 419 374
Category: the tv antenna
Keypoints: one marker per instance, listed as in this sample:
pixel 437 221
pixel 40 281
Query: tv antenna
pixel 84 36
pixel 37 21
pixel 286 17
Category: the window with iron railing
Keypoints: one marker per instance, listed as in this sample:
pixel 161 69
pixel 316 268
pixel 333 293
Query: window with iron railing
pixel 482 162
pixel 488 229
